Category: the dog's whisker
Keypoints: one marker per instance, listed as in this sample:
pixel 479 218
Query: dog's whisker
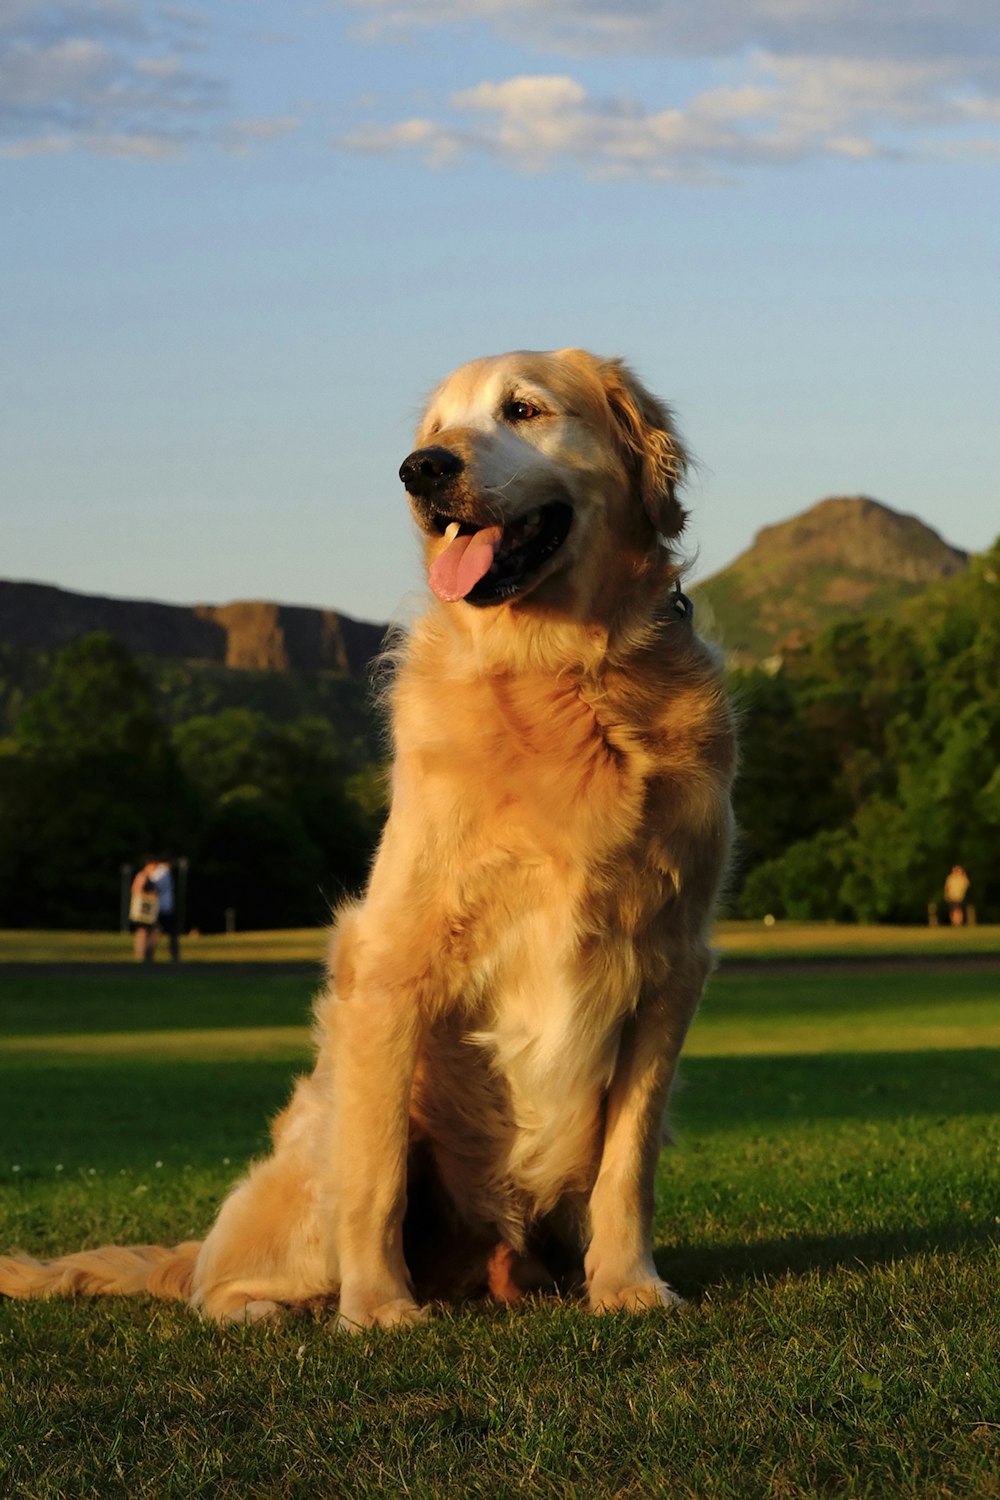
pixel 499 489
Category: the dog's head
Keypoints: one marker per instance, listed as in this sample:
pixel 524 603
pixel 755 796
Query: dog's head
pixel 542 476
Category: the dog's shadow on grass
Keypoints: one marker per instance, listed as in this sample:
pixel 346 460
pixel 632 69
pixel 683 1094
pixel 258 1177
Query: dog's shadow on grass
pixel 699 1269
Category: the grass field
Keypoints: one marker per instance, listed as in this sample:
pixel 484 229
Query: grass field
pixel 741 940
pixel 831 1213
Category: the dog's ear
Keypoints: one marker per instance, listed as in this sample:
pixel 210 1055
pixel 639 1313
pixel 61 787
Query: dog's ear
pixel 651 445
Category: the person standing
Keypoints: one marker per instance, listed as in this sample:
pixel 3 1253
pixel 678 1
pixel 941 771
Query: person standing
pixel 956 888
pixel 143 911
pixel 162 876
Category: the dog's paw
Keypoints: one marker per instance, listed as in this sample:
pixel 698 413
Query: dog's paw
pixel 261 1310
pixel 400 1312
pixel 239 1308
pixel 639 1296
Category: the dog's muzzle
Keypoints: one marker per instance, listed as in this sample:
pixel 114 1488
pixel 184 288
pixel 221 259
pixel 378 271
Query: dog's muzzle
pixel 486 559
pixel 427 471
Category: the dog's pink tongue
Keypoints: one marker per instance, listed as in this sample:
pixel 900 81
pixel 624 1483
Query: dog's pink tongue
pixel 463 562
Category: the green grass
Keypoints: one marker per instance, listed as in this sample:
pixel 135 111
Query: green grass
pixel 831 1213
pixel 818 940
pixel 735 940
pixel 294 945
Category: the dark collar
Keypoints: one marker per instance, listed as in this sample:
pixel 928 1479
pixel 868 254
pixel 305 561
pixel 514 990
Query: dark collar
pixel 681 606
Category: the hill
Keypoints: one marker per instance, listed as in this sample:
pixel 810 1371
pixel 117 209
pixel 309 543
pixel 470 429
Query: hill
pixel 283 661
pixel 843 557
pixel 249 635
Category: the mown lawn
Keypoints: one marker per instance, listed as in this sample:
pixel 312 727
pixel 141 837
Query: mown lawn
pixel 831 1213
pixel 745 940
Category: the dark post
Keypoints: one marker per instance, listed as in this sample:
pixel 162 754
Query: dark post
pixel 181 904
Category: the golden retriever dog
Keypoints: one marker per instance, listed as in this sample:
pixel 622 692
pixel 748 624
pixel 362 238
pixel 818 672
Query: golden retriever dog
pixel 505 1007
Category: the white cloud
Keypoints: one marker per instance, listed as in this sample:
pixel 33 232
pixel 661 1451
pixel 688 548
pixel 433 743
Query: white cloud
pixel 158 67
pixel 536 118
pixel 134 147
pixel 796 78
pixel 787 108
pixel 524 96
pixel 32 77
pixel 105 75
pixel 710 28
pixel 44 19
pixel 803 77
pixel 888 27
pixel 117 78
pixel 39 145
pixel 244 135
pixel 438 145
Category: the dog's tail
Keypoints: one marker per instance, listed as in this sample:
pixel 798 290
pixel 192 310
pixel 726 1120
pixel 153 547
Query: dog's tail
pixel 111 1271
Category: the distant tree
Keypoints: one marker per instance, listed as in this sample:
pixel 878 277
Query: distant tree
pixel 88 782
pixel 890 872
pixel 97 701
pixel 92 778
pixel 870 761
pixel 188 690
pixel 220 753
pixel 253 856
pixel 66 827
pixel 337 812
pixel 23 671
pixel 787 787
pixel 803 883
pixel 285 784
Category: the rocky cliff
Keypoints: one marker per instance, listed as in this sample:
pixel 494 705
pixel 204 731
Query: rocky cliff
pixel 252 635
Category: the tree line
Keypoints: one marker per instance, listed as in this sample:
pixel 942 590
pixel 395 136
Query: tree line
pixel 870 765
pixel 871 762
pixel 276 821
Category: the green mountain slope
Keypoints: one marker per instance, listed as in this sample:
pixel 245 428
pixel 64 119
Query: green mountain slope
pixel 843 557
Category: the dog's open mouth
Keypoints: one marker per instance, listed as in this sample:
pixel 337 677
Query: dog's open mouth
pixel 488 564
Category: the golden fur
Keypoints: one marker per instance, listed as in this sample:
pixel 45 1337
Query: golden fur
pixel 505 1008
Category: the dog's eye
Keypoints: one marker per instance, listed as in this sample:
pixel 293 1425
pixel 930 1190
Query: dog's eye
pixel 521 411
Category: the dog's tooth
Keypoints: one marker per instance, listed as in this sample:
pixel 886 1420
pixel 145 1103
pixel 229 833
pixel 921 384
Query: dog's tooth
pixel 451 531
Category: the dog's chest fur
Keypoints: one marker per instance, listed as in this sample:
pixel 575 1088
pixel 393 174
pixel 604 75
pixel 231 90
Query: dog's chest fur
pixel 561 794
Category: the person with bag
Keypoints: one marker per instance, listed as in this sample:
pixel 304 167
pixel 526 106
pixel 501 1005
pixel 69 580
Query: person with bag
pixel 144 911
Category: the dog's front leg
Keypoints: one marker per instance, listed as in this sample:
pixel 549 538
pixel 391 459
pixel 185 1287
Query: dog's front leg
pixel 619 1261
pixel 376 1037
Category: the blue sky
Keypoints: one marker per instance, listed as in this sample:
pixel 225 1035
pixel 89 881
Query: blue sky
pixel 240 241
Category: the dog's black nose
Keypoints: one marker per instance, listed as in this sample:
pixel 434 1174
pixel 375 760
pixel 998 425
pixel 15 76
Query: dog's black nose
pixel 428 469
